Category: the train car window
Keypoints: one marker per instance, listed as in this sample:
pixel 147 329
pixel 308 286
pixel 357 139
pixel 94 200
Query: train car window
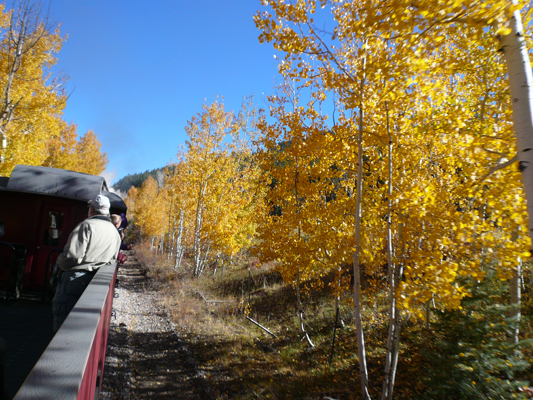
pixel 54 224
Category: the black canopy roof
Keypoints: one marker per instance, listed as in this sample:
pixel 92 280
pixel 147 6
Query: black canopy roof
pixel 57 182
pixel 60 183
pixel 117 204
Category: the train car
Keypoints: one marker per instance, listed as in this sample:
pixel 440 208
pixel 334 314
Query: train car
pixel 39 207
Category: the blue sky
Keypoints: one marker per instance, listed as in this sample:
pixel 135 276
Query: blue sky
pixel 139 70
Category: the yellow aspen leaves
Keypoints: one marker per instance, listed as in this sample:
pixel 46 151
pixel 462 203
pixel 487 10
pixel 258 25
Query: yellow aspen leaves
pixel 84 155
pixel 210 194
pixel 32 101
pixel 433 67
pixel 30 105
pixel 90 158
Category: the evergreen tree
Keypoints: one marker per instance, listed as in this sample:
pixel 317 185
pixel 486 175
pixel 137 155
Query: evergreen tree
pixel 471 357
pixel 136 180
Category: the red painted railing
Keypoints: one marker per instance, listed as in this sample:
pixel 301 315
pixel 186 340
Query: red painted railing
pixel 72 365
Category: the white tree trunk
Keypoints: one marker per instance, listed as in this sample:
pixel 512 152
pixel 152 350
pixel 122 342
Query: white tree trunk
pixel 357 268
pixel 180 248
pixel 301 312
pixel 172 241
pixel 521 87
pixel 393 339
pixel 171 229
pixel 515 292
pixel 3 145
pixel 198 245
pixel 203 260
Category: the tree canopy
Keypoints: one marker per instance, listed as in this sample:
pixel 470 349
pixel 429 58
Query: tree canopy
pixel 32 100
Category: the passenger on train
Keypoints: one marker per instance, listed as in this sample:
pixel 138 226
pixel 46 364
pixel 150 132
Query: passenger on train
pixel 93 243
pixel 117 221
pixel 121 229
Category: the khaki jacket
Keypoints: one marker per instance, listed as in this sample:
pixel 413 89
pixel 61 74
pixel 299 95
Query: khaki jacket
pixel 93 243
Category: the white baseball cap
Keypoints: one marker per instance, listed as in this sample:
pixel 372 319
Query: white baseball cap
pixel 100 203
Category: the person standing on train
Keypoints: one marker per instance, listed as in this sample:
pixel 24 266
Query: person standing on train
pixel 93 243
pixel 121 228
pixel 117 220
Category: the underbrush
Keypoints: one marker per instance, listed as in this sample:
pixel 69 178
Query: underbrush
pixel 244 361
pixel 158 265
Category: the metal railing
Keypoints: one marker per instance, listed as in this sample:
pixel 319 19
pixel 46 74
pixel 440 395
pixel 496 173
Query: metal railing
pixel 72 365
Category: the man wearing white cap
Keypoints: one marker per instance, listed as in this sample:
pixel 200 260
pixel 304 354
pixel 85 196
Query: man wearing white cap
pixel 93 243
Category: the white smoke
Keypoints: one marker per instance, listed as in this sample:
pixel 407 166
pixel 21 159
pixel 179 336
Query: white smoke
pixel 109 177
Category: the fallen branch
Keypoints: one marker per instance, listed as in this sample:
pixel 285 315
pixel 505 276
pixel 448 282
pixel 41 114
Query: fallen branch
pixel 260 326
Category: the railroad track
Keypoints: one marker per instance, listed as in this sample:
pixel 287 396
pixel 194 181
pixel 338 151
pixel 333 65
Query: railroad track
pixel 146 357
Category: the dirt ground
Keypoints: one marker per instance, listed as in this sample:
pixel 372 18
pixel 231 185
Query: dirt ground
pixel 146 357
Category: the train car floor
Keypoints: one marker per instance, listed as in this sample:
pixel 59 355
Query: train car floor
pixel 26 327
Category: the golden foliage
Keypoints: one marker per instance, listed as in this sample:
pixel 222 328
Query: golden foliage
pixel 210 193
pixel 91 160
pixel 66 152
pixel 62 149
pixel 149 212
pixel 32 131
pixel 434 69
pixel 30 103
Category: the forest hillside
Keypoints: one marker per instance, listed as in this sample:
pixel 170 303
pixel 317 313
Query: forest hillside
pixel 374 219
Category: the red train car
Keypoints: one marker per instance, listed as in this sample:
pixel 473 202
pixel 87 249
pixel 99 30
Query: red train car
pixel 39 207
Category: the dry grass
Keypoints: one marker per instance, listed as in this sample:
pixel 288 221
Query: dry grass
pixel 242 361
pixel 158 265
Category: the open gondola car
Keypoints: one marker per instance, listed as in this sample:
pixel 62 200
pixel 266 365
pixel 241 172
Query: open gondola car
pixel 39 207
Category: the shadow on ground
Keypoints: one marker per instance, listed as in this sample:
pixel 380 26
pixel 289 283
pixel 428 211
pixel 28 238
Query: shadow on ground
pixel 154 366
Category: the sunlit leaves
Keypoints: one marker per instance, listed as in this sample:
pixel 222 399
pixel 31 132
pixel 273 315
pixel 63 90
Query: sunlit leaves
pixel 434 66
pixel 91 160
pixel 84 155
pixel 213 186
pixel 150 206
pixel 31 102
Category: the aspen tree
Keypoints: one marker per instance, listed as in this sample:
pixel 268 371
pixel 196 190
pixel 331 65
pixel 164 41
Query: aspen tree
pixel 310 172
pixel 67 152
pixel 30 102
pixel 521 86
pixel 356 87
pixel 91 160
pixel 150 210
pixel 206 158
pixel 413 54
pixel 62 149
pixel 131 199
pixel 181 212
pixel 393 338
pixel 215 184
pixel 245 199
pixel 424 47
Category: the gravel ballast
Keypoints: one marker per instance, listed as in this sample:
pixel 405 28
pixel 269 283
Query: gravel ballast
pixel 146 357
